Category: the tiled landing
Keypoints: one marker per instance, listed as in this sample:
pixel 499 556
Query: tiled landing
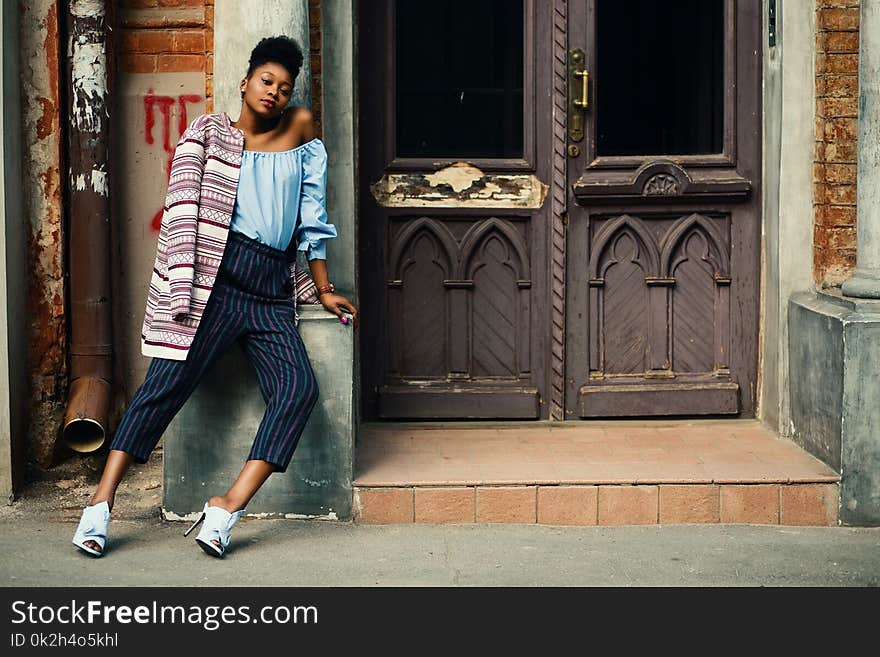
pixel 626 472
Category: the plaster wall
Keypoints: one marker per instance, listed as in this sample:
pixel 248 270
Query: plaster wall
pixel 340 128
pixel 788 202
pixel 238 26
pixel 149 113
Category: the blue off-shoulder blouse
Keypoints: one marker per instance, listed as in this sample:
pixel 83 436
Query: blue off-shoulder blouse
pixel 282 195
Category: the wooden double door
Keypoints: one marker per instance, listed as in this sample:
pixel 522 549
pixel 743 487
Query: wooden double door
pixel 559 211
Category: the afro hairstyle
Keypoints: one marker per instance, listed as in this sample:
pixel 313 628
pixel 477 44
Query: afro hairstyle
pixel 277 50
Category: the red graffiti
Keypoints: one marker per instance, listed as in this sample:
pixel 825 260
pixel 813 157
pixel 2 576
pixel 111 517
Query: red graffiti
pixel 164 105
pixel 182 121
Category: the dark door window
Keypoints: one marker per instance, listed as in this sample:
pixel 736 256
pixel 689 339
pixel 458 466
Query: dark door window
pixel 460 79
pixel 660 77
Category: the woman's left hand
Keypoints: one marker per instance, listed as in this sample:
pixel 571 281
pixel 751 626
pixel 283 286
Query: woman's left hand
pixel 334 303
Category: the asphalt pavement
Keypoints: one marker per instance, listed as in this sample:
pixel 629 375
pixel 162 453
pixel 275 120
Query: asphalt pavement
pixel 36 551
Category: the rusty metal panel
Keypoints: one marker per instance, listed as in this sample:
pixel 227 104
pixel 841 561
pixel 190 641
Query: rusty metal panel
pixel 45 232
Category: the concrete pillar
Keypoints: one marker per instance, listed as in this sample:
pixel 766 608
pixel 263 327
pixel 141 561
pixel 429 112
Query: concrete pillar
pixel 834 335
pixel 208 441
pixel 835 399
pixel 865 281
pixel 789 78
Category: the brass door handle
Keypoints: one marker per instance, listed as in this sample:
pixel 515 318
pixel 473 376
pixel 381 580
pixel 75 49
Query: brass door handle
pixel 578 94
pixel 584 102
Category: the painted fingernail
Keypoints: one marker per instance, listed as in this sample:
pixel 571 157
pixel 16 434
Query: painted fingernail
pixel 344 320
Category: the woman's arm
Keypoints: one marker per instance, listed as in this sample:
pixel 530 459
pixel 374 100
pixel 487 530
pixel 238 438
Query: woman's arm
pixel 330 300
pixel 333 302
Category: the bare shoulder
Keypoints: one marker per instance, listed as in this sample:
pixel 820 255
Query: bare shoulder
pixel 301 124
pixel 304 123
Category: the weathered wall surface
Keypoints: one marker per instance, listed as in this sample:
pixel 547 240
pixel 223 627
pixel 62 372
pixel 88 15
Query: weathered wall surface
pixel 42 166
pixel 315 43
pixel 208 442
pixel 242 25
pixel 151 110
pixel 163 65
pixel 835 354
pixel 834 178
pixel 169 36
pixel 164 37
pixel 788 208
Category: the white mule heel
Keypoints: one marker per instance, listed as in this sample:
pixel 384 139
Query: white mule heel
pixel 93 527
pixel 217 524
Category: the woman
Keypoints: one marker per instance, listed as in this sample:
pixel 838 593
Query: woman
pixel 225 271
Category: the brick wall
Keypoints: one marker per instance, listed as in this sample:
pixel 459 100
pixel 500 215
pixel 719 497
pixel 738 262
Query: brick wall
pixel 834 168
pixel 170 36
pixel 315 61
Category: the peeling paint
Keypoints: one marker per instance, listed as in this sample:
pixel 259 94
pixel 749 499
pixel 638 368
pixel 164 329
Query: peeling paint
pixel 460 185
pixel 41 188
pixel 460 176
pixel 46 124
pixel 99 182
pixel 89 84
pixel 51 50
pixel 87 8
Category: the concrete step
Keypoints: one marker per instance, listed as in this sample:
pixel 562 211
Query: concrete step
pixel 612 473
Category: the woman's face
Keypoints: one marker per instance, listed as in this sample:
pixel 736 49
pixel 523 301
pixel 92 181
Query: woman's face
pixel 268 90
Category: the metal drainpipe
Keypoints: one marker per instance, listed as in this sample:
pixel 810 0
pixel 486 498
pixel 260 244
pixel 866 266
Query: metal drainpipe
pixel 88 402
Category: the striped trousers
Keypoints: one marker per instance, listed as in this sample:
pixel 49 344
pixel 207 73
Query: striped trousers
pixel 250 304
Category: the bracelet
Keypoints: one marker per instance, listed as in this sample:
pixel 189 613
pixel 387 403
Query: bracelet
pixel 324 289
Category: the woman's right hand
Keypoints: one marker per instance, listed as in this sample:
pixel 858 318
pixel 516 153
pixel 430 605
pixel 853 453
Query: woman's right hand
pixel 335 303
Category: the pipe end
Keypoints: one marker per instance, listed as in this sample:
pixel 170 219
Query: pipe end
pixel 85 420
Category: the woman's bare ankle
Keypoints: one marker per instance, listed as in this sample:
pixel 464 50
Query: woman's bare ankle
pixel 224 503
pixel 97 499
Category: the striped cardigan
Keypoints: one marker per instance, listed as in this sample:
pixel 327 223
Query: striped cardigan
pixel 202 186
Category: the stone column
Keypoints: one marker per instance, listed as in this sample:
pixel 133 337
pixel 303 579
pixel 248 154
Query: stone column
pixel 865 281
pixel 208 441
